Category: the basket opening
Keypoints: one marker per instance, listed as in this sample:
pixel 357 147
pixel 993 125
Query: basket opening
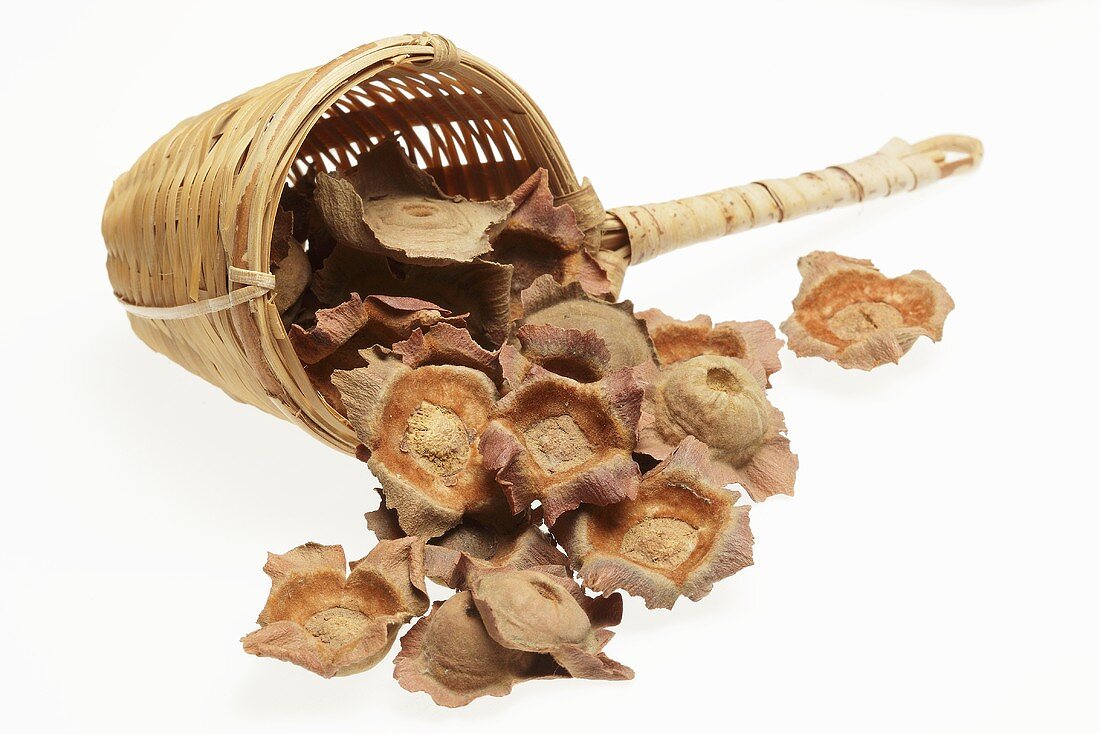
pixel 455 130
pixel 466 130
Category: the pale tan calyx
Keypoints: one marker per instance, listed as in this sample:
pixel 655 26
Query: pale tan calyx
pixel 848 312
pixel 720 402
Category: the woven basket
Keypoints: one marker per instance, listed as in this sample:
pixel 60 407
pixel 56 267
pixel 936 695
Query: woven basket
pixel 188 228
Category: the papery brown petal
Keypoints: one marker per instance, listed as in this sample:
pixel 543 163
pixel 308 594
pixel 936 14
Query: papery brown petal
pixel 289 641
pixel 389 581
pixel 304 580
pixel 450 656
pixel 387 205
pixel 334 328
pixel 383 523
pixel 479 289
pixel 848 312
pixel 445 344
pixel 449 558
pixel 569 307
pixel 537 612
pixel 292 276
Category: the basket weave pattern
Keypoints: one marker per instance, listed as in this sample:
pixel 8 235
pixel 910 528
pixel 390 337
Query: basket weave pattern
pixel 202 200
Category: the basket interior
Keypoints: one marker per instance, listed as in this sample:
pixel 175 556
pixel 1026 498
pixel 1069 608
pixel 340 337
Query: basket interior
pixel 459 132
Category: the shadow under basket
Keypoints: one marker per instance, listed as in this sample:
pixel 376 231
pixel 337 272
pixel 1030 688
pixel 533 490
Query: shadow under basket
pixel 188 227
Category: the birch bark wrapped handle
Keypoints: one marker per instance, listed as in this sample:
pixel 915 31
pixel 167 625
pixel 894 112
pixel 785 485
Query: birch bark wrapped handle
pixel 652 229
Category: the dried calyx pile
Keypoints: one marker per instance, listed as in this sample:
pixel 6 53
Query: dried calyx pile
pixel 527 431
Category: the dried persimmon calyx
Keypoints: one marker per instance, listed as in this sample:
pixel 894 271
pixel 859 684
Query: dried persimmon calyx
pixel 332 622
pixel 680 535
pixel 675 340
pixel 569 307
pixel 719 401
pixel 848 312
pixel 450 656
pixel 563 443
pixel 387 205
pixel 581 356
pixel 421 427
pixel 541 238
pixel 539 612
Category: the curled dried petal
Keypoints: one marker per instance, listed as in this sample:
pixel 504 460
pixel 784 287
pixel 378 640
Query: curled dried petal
pixel 479 289
pixel 675 341
pixel 336 624
pixel 289 263
pixel 569 307
pixel 679 536
pixel 720 402
pixel 579 355
pixel 445 344
pixel 450 656
pixel 421 427
pixel 537 612
pixel 540 238
pixel 449 558
pixel 339 333
pixel 848 312
pixel 388 206
pixel 563 443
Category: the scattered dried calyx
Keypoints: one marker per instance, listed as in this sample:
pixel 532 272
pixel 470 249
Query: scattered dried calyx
pixel 421 427
pixel 680 535
pixel 563 443
pixel 506 405
pixel 332 622
pixel 848 312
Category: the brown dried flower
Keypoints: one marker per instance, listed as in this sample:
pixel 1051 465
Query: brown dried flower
pixel 675 341
pixel 679 536
pixel 579 355
pixel 333 623
pixel 562 442
pixel 848 312
pixel 540 612
pixel 451 656
pixel 444 344
pixel 387 205
pixel 569 307
pixel 340 333
pixel 540 238
pixel 720 402
pixel 479 289
pixel 421 428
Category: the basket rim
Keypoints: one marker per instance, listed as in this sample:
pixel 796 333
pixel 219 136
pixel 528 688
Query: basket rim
pixel 275 149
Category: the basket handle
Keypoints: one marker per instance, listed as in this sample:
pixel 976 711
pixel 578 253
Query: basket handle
pixel 654 229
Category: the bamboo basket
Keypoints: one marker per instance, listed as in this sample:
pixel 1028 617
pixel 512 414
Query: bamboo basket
pixel 188 227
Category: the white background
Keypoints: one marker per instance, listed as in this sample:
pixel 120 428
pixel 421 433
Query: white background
pixel 937 570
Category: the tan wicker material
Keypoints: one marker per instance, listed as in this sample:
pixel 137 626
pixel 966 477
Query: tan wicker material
pixel 188 227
